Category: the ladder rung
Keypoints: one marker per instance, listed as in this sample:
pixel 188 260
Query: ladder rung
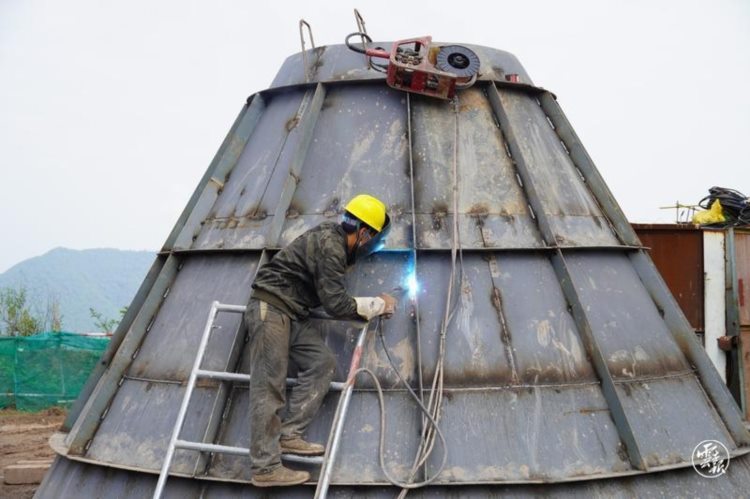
pixel 224 449
pixel 241 451
pixel 294 458
pixel 230 308
pixel 336 386
pixel 222 375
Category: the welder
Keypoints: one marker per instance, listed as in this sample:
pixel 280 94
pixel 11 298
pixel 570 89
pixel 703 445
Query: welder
pixel 306 274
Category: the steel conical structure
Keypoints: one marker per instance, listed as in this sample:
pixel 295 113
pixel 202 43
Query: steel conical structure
pixel 568 367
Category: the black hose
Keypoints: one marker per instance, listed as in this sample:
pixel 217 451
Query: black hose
pixel 381 403
pixel 354 47
pixel 735 205
pixel 377 67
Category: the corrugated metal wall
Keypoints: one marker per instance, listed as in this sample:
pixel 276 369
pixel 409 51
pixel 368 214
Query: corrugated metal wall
pixel 742 256
pixel 677 251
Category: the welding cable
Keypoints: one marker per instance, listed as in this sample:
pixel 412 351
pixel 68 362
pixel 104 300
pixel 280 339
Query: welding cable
pixel 383 68
pixel 381 444
pixel 734 204
pixel 435 400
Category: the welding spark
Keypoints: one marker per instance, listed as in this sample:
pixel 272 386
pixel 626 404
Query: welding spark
pixel 412 285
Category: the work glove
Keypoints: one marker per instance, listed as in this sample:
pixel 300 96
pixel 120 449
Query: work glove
pixel 390 304
pixel 372 306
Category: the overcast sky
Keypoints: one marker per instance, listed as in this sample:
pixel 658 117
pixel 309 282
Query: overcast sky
pixel 110 112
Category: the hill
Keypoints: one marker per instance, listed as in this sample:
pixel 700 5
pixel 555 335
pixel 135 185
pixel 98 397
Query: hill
pixel 103 279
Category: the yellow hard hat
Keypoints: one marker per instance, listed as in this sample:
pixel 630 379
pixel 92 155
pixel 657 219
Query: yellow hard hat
pixel 368 209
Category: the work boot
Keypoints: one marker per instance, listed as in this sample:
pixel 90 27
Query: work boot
pixel 280 477
pixel 296 445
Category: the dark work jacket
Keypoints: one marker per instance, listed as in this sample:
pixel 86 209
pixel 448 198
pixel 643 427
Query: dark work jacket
pixel 308 273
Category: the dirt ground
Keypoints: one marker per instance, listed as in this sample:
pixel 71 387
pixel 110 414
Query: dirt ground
pixel 24 435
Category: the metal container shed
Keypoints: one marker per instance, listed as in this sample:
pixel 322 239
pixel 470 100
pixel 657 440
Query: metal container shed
pixel 707 269
pixel 677 252
pixel 568 367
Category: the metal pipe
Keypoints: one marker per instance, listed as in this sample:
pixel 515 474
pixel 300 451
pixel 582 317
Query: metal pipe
pixel 321 491
pixel 240 309
pixel 203 447
pixel 185 401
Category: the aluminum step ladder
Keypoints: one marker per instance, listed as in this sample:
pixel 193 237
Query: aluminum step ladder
pixel 326 461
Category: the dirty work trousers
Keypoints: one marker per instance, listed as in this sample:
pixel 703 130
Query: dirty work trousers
pixel 274 341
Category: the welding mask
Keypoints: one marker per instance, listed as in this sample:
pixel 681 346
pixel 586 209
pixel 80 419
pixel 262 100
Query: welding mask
pixel 365 247
pixel 376 241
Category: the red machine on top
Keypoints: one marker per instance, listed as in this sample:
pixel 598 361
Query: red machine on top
pixel 415 65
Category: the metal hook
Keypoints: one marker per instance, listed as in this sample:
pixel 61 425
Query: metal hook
pixel 362 29
pixel 303 23
pixel 360 23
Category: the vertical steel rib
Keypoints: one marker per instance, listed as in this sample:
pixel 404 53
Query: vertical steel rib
pixel 114 343
pixel 585 165
pixel 617 410
pixel 208 191
pixel 420 379
pixel 529 188
pixel 678 325
pixel 87 423
pixel 686 339
pixel 597 358
pixel 309 119
pixel 414 246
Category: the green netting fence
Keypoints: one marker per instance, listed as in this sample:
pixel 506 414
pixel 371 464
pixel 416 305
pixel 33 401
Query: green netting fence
pixel 46 369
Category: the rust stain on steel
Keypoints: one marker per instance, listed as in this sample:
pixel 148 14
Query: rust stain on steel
pixel 479 211
pixel 260 215
pixel 439 212
pixel 255 212
pixel 292 123
pixel 333 208
pixel 742 262
pixel 497 303
pixel 472 100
